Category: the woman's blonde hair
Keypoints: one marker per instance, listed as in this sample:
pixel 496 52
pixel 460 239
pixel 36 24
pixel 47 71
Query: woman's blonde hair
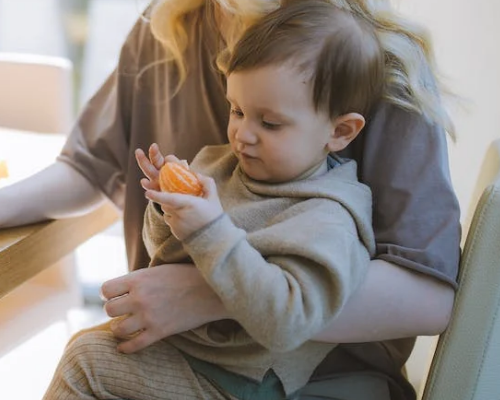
pixel 411 74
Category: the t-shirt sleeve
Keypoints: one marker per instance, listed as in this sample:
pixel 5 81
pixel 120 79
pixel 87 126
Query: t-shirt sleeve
pixel 416 215
pixel 98 145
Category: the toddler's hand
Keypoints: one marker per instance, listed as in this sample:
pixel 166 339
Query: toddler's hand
pixel 185 214
pixel 150 166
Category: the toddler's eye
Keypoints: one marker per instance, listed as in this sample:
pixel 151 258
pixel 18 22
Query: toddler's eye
pixel 270 125
pixel 236 112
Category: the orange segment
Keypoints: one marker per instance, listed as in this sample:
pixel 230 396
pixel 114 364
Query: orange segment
pixel 176 178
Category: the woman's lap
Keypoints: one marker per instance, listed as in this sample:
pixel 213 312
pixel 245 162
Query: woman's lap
pixel 92 368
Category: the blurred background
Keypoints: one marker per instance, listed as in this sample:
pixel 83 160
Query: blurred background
pixel 90 32
pixel 87 32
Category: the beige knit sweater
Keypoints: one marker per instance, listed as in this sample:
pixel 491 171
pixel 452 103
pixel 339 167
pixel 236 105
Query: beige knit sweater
pixel 284 259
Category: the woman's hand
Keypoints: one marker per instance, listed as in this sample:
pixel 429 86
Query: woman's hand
pixel 154 303
pixel 185 214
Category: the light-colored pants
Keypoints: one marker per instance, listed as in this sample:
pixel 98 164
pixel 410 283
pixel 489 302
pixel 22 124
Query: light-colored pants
pixel 92 368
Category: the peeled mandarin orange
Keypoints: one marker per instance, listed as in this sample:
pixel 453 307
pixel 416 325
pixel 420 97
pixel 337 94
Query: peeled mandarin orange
pixel 177 178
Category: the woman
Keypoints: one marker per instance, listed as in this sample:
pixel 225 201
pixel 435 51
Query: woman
pixel 180 104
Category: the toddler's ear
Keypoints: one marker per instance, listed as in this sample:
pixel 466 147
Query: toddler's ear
pixel 345 128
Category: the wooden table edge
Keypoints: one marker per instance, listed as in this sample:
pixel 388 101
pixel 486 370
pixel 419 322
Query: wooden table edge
pixel 46 243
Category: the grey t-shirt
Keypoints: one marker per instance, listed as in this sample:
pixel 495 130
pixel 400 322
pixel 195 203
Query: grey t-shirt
pixel 400 156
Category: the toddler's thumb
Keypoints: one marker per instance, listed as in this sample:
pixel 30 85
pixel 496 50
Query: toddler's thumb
pixel 209 186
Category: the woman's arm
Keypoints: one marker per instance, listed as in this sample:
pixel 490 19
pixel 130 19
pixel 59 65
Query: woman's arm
pixel 391 303
pixel 58 191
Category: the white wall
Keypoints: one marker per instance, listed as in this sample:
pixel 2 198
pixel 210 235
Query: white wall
pixel 466 36
pixel 32 26
pixel 103 43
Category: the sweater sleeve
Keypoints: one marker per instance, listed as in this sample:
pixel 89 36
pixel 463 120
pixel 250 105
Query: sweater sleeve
pixel 286 282
pixel 98 145
pixel 155 231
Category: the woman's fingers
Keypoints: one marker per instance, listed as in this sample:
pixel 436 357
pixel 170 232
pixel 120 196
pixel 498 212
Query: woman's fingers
pixel 160 302
pixel 126 327
pixel 118 306
pixel 115 287
pixel 138 342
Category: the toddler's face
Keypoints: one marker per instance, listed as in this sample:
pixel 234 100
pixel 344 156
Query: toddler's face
pixel 274 129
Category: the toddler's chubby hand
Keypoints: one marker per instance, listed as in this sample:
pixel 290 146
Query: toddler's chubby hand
pixel 188 200
pixel 185 213
pixel 150 166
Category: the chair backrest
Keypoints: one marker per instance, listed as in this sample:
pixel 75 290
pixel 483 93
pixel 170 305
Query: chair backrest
pixel 466 364
pixel 36 93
